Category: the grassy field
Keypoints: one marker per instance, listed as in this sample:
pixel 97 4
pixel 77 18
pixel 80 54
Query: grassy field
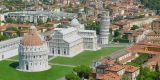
pixel 86 57
pixel 8 72
pixel 14 58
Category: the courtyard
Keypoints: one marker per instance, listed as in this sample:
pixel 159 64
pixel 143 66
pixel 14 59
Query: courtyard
pixel 60 66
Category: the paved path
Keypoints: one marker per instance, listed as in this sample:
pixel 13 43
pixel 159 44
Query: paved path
pixel 52 58
pixel 66 65
pixel 12 60
pixel 117 45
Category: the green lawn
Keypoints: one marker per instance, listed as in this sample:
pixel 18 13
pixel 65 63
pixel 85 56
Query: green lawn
pixel 14 58
pixel 9 73
pixel 86 57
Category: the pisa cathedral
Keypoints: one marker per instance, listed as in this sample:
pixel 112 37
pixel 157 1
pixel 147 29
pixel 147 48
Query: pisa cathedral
pixel 70 41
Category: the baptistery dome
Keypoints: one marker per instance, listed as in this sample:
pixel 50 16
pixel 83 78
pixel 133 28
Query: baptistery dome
pixel 33 52
pixel 32 38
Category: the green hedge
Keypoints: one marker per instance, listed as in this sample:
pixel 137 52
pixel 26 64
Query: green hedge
pixel 121 40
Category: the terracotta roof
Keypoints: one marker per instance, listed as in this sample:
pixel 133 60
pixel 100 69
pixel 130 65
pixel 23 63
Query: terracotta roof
pixel 153 61
pixel 142 47
pixel 108 76
pixel 129 68
pixel 151 34
pixel 32 38
pixel 107 61
pixel 115 68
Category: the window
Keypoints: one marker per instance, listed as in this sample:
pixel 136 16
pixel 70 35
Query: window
pixel 64 51
pixel 53 50
pixel 2 56
pixel 58 51
pixel 26 67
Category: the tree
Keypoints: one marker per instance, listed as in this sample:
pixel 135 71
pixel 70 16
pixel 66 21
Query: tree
pixel 134 27
pixel 14 29
pixel 146 74
pixel 39 21
pixel 125 77
pixel 125 36
pixel 93 26
pixel 157 68
pixel 83 1
pixel 118 18
pixel 10 20
pixel 19 21
pixel 2 37
pixel 110 31
pixel 152 4
pixel 27 22
pixel 83 71
pixel 72 76
pixel 48 19
pixel 61 26
pixel 116 33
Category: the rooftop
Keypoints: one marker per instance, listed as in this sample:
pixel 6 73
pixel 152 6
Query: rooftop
pixel 65 30
pixel 32 38
pixel 108 76
pixel 129 68
pixel 115 68
pixel 117 54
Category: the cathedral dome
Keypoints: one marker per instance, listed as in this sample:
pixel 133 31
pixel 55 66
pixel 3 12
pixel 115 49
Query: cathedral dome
pixel 32 38
pixel 75 22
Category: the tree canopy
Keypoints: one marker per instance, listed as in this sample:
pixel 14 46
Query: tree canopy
pixel 152 4
pixel 134 27
pixel 11 20
pixel 72 76
pixel 93 26
pixel 83 71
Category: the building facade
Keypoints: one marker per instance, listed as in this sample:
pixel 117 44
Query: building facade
pixel 9 48
pixel 34 16
pixel 72 40
pixel 156 26
pixel 33 52
pixel 66 42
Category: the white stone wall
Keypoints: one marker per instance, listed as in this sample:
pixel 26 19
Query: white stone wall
pixel 9 48
pixel 8 54
pixel 89 39
pixel 33 58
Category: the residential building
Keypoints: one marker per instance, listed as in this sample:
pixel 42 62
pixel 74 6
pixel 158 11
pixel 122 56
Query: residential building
pixel 116 71
pixel 35 16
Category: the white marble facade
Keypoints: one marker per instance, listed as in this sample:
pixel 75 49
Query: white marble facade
pixel 70 41
pixel 104 31
pixel 9 48
pixel 33 53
